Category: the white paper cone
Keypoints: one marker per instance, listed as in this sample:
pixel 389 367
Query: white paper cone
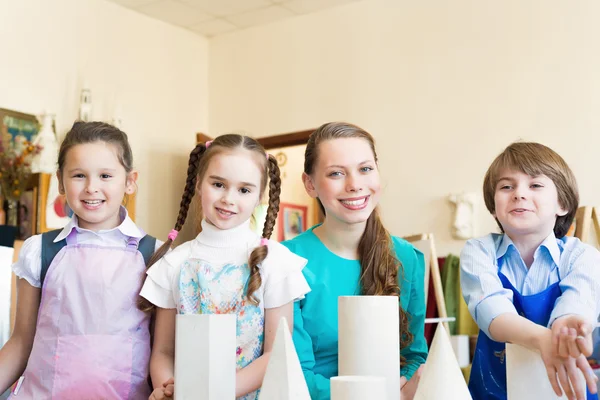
pixel 284 379
pixel 358 388
pixel 524 366
pixel 369 339
pixel 205 359
pixel 460 345
pixel 441 377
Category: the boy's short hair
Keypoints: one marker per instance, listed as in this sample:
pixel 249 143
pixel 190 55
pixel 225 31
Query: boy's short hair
pixel 536 159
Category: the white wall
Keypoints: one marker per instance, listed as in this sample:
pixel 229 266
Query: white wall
pixel 153 75
pixel 444 86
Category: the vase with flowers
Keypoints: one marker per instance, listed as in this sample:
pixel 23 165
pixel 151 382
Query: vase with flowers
pixel 16 155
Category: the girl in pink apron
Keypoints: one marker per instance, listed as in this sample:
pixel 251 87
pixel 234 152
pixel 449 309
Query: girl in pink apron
pixel 78 333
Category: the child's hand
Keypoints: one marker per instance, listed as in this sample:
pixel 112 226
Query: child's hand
pixel 159 394
pixel 565 369
pixel 165 392
pixel 582 363
pixel 409 388
pixel 572 336
pixel 169 387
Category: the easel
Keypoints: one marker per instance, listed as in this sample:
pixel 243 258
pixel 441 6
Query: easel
pixel 425 243
pixel 583 220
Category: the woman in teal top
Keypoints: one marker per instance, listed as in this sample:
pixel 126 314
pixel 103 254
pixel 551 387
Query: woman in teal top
pixel 352 253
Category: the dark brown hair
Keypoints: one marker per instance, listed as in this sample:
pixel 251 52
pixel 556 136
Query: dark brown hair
pixel 379 265
pixel 199 161
pixel 92 132
pixel 535 159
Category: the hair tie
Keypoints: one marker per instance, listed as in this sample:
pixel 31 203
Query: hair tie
pixel 264 241
pixel 208 143
pixel 173 234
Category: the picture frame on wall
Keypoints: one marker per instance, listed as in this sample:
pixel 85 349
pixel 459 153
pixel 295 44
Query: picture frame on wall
pixel 16 123
pixel 17 129
pixel 291 220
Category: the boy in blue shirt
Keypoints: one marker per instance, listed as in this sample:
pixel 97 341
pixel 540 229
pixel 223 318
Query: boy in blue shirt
pixel 531 285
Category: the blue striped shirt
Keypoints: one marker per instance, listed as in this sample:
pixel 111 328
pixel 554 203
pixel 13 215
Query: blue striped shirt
pixel 575 264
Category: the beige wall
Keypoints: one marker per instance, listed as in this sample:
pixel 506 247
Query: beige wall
pixel 153 75
pixel 443 85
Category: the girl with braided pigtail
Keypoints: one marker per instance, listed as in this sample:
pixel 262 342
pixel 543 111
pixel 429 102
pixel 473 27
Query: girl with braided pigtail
pixel 227 268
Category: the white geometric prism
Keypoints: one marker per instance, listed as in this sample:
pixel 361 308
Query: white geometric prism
pixel 369 339
pixel 526 376
pixel 205 359
pixel 284 379
pixel 441 377
pixel 358 388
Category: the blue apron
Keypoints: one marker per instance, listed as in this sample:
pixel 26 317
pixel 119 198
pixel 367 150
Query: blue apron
pixel 488 372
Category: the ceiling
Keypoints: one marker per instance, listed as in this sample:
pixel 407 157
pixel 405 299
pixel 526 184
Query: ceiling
pixel 214 17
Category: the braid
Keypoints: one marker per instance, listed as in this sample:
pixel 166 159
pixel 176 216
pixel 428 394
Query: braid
pixel 190 185
pixel 186 199
pixel 260 253
pixel 274 192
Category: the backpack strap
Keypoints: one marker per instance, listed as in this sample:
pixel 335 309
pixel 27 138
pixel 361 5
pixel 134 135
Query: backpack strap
pixel 49 251
pixel 146 247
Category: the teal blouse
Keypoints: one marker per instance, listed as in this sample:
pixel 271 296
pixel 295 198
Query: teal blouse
pixel 316 316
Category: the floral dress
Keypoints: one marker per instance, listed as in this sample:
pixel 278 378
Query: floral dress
pixel 209 275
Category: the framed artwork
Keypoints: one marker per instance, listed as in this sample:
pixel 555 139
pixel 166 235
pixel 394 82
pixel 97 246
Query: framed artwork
pixel 17 123
pixel 291 221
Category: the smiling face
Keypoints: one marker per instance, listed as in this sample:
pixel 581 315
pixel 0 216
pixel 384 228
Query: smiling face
pixel 230 188
pixel 346 180
pixel 95 182
pixel 526 205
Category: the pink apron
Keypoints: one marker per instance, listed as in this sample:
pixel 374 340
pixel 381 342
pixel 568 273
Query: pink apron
pixel 91 341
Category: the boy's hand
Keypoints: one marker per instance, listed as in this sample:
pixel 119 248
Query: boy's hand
pixel 582 364
pixel 566 369
pixel 572 336
pixel 578 383
pixel 556 367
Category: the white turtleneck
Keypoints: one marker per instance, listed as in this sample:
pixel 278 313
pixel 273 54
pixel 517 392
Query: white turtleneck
pixel 281 271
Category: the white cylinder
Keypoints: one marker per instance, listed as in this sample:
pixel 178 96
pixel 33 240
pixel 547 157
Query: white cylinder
pixel 358 388
pixel 460 345
pixel 369 339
